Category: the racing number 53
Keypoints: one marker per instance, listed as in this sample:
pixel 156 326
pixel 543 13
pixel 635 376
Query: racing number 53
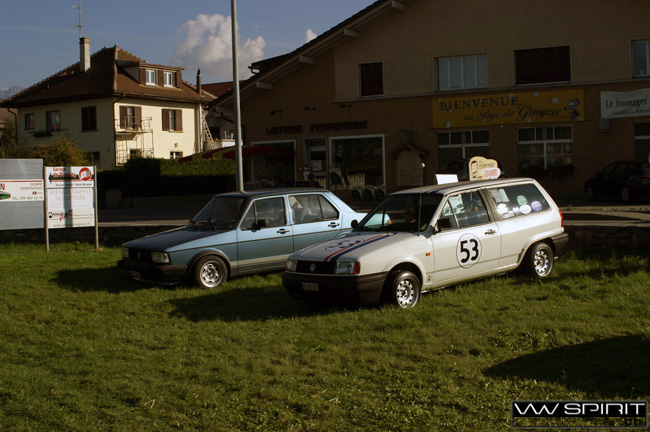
pixel 468 250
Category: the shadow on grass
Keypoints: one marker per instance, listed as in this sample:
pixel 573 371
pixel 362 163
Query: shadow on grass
pixel 618 367
pixel 250 304
pixel 109 279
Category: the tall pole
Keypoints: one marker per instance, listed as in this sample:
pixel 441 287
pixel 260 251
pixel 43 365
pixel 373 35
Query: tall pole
pixel 239 175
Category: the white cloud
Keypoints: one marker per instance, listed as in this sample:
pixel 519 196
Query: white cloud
pixel 310 35
pixel 207 45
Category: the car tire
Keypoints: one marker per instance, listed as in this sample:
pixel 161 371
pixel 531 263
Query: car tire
pixel 626 195
pixel 209 272
pixel 540 260
pixel 403 289
pixel 590 193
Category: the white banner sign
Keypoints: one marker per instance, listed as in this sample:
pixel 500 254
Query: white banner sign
pixel 73 218
pixel 70 177
pixel 21 190
pixel 625 104
pixel 73 198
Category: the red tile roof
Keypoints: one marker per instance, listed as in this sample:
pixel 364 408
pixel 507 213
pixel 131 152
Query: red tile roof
pixel 107 76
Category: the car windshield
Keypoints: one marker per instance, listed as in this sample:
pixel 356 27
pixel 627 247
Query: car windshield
pixel 401 212
pixel 221 213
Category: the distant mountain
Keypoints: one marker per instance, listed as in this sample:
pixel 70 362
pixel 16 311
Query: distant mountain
pixel 7 93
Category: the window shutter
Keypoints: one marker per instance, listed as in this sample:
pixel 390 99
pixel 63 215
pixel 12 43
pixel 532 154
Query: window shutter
pixel 179 120
pixel 143 76
pixel 138 117
pixel 123 117
pixel 165 119
pixel 161 78
pixel 178 79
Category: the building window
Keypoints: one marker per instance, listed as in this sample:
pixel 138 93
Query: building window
pixel 641 58
pixel 462 72
pixel 89 118
pixel 29 121
pixel 545 151
pixel 372 79
pixel 150 77
pixel 135 153
pixel 453 146
pixel 357 161
pixel 131 117
pixel 175 155
pixel 170 80
pixel 642 141
pixel 53 121
pixel 94 158
pixel 543 65
pixel 172 120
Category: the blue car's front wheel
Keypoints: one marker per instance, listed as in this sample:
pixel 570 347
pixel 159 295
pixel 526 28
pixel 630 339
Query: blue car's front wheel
pixel 209 272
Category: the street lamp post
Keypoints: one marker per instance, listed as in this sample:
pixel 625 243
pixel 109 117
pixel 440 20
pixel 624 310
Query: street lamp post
pixel 239 176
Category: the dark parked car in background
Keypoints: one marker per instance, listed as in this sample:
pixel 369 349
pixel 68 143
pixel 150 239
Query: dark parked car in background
pixel 623 180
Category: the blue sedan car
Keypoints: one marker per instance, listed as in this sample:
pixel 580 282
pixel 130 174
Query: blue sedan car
pixel 239 233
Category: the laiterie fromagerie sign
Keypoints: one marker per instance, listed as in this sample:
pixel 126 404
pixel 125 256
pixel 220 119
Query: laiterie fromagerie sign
pixel 508 108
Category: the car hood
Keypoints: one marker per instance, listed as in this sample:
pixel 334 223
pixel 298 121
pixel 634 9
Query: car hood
pixel 354 245
pixel 170 239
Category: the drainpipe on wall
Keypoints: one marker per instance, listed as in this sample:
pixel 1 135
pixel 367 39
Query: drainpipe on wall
pixel 199 147
pixel 114 132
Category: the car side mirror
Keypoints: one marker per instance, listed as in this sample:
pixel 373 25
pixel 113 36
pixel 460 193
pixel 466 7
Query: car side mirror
pixel 354 223
pixel 443 224
pixel 261 223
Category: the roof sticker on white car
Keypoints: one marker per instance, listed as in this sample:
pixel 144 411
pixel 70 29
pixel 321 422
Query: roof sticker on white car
pixel 349 245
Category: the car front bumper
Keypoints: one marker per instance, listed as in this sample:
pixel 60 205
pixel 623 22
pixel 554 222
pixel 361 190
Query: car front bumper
pixel 335 289
pixel 152 272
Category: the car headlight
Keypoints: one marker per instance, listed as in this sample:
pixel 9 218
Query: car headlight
pixel 352 268
pixel 291 265
pixel 125 252
pixel 159 257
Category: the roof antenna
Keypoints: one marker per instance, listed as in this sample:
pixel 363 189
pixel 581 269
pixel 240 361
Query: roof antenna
pixel 78 25
pixel 420 204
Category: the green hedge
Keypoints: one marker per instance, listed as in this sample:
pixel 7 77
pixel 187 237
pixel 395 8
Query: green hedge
pixel 143 177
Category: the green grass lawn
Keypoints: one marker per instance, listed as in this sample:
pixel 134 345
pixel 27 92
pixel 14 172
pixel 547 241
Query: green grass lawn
pixel 83 347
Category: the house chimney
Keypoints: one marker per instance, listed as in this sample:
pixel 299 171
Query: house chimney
pixel 198 81
pixel 84 54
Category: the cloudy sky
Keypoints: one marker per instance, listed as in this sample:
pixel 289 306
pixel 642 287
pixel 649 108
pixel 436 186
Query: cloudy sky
pixel 39 37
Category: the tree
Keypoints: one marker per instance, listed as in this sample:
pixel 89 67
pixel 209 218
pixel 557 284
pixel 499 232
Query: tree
pixel 63 151
pixel 10 147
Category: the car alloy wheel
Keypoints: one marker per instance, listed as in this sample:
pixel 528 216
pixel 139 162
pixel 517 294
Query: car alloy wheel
pixel 209 272
pixel 541 260
pixel 405 290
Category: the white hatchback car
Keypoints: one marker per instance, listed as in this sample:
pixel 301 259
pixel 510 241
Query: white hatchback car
pixel 427 238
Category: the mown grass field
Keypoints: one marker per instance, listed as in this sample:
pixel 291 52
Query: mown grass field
pixel 83 347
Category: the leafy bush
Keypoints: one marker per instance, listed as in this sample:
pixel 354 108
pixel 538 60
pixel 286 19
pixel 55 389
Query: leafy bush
pixel 142 177
pixel 63 151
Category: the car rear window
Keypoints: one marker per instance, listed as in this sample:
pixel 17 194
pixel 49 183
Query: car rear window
pixel 518 200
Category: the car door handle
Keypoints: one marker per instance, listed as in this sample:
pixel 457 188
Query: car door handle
pixel 283 231
pixel 333 225
pixel 490 232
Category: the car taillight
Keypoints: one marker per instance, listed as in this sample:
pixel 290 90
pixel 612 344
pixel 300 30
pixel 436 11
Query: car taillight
pixel 561 218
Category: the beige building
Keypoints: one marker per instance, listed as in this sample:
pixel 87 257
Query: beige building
pixel 403 82
pixel 117 106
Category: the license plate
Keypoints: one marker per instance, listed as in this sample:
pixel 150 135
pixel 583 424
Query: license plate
pixel 307 286
pixel 135 274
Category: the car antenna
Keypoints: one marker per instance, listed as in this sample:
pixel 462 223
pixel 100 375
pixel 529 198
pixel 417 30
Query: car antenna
pixel 420 203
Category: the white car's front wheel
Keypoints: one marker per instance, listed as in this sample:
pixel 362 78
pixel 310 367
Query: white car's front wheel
pixel 404 289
